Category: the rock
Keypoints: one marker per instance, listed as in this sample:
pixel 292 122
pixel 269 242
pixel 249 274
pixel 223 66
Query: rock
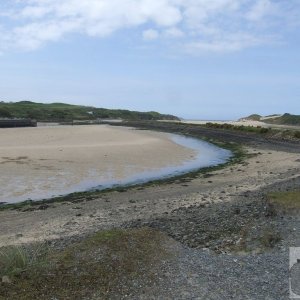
pixel 28 209
pixel 43 206
pixel 237 211
pixel 6 279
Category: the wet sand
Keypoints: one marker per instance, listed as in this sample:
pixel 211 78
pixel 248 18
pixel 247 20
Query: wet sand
pixel 268 166
pixel 38 163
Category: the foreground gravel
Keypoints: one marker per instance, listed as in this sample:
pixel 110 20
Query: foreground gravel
pixel 200 274
pixel 210 263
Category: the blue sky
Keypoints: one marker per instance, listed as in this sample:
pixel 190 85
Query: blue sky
pixel 198 59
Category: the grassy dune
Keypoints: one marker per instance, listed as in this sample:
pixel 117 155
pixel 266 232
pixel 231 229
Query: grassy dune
pixel 68 112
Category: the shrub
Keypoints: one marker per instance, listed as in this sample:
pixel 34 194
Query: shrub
pixel 264 130
pixel 16 259
pixel 297 134
pixel 270 238
pixel 13 260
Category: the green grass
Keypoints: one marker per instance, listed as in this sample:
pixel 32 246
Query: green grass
pixel 13 260
pixel 288 201
pixel 270 238
pixel 107 263
pixel 61 112
pixel 297 134
pixel 286 119
pixel 254 129
pixel 254 117
pixel 284 133
pixel 17 259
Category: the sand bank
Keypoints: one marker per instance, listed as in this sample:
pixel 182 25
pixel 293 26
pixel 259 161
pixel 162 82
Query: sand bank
pixel 63 220
pixel 38 163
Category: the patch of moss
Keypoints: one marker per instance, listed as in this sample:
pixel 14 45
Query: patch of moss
pixel 286 201
pixel 104 265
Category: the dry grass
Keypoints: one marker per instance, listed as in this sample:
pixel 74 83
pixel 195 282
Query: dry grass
pixel 15 260
pixel 106 264
pixel 270 238
pixel 288 202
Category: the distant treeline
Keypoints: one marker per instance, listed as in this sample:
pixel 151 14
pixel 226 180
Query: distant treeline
pixel 59 112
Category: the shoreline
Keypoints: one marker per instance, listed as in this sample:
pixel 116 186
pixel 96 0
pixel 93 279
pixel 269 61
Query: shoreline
pixel 237 156
pixel 214 223
pixel 209 178
pixel 79 159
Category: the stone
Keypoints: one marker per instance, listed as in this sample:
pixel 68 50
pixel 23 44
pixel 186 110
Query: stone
pixel 6 279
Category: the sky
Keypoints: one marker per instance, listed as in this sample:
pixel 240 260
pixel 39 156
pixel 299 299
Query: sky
pixel 197 59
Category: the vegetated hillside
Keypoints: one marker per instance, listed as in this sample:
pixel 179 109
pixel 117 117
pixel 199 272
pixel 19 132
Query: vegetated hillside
pixel 67 112
pixel 286 119
pixel 254 117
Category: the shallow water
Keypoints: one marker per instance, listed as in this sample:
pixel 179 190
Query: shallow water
pixel 205 155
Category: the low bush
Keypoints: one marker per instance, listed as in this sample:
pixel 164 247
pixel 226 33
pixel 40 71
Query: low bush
pixel 16 259
pixel 297 134
pixel 104 266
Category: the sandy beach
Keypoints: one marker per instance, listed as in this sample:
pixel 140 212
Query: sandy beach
pixel 38 163
pixel 60 220
pixel 268 166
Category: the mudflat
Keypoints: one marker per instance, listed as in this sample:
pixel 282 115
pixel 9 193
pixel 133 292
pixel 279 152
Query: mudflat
pixel 38 163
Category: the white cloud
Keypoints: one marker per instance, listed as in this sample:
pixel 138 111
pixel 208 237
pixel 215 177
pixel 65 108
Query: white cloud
pixel 174 32
pixel 203 25
pixel 230 43
pixel 150 35
pixel 260 9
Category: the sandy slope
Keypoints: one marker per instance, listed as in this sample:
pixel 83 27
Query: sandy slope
pixel 41 162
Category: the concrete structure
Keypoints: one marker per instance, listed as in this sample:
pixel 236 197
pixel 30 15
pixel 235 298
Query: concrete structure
pixel 9 123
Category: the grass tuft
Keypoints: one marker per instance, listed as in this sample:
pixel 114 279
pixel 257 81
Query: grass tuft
pixel 284 201
pixel 270 238
pixel 15 260
pixel 103 266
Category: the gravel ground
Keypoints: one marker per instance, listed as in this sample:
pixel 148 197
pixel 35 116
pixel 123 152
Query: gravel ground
pixel 211 264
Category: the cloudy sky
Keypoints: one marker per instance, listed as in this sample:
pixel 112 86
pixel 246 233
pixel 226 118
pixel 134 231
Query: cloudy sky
pixel 199 59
